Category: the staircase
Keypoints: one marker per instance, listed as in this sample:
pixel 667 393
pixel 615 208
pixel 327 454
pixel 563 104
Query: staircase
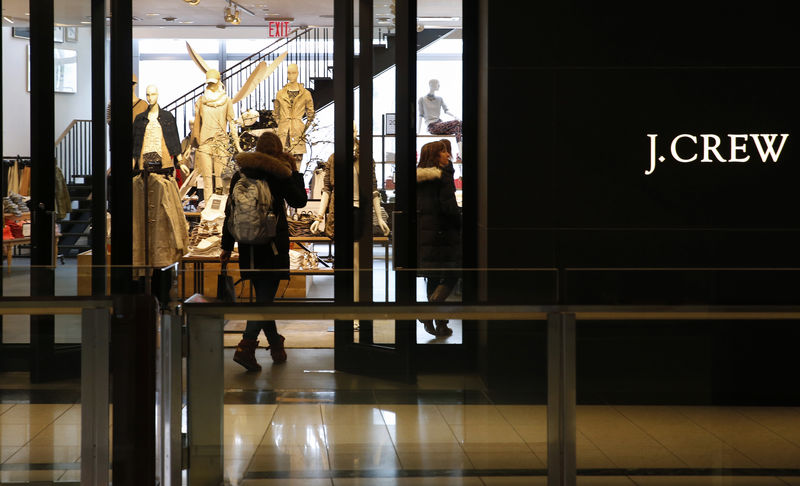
pixel 74 157
pixel 312 50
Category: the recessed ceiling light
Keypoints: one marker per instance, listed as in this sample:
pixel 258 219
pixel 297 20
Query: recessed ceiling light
pixel 152 14
pixel 186 22
pixel 86 22
pixel 27 13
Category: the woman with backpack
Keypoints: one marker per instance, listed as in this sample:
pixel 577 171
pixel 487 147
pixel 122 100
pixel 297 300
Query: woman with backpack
pixel 267 179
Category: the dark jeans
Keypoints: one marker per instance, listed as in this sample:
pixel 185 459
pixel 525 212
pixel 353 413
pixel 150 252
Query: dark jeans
pixel 265 288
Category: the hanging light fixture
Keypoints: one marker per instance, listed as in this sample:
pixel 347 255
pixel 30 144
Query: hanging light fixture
pixel 229 15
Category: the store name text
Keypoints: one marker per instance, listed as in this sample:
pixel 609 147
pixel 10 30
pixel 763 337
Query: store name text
pixel 737 148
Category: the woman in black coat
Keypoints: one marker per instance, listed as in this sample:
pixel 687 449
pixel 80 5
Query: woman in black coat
pixel 439 226
pixel 269 163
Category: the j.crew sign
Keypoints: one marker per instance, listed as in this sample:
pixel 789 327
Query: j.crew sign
pixel 732 148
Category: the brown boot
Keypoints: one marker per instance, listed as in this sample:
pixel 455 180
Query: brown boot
pixel 277 351
pixel 442 329
pixel 245 354
pixel 428 325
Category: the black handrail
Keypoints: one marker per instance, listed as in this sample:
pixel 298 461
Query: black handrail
pixel 74 150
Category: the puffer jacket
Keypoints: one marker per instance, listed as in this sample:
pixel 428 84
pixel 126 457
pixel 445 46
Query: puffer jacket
pixel 286 186
pixel 438 221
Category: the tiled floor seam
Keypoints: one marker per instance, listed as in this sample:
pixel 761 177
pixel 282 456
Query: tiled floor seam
pixel 455 437
pixel 264 435
pixel 787 439
pixel 676 456
pixel 678 409
pixel 27 444
pixel 588 439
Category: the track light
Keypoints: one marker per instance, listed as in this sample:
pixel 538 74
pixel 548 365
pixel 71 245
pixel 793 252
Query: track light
pixel 232 17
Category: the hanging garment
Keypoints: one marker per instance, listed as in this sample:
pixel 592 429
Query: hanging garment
pixel 13 179
pixel 63 201
pixel 25 182
pixel 168 234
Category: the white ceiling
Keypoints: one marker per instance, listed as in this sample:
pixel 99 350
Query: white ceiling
pixel 210 12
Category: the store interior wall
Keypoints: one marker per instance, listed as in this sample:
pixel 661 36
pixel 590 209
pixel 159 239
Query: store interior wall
pixel 16 98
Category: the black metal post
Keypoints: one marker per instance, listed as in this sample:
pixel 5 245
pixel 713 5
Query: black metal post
pixel 43 167
pixel 98 149
pixel 121 129
pixel 365 161
pixel 343 168
pixel 343 140
pixel 405 159
pixel 133 367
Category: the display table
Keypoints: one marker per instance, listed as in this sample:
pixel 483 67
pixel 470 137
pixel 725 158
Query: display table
pixel 8 248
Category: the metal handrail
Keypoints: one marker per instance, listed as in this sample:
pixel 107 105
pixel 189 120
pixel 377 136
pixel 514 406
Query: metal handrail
pixel 490 312
pixel 52 305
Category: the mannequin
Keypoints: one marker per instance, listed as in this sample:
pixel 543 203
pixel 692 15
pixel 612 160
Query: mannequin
pixel 292 103
pixel 327 194
pixel 213 115
pixel 138 104
pixel 430 107
pixel 154 130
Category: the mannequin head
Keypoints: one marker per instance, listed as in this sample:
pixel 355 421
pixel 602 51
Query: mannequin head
pixel 152 95
pixel 212 78
pixel 291 73
pixel 434 84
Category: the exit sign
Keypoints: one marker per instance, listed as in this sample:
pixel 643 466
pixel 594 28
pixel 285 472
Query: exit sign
pixel 278 28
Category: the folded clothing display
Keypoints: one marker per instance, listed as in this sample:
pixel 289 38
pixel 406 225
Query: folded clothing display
pixel 302 259
pixel 15 204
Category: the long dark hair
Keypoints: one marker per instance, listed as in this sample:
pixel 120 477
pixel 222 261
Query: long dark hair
pixel 270 144
pixel 429 155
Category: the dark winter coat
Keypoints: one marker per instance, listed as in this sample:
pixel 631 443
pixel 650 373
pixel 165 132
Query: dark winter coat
pixel 286 186
pixel 438 221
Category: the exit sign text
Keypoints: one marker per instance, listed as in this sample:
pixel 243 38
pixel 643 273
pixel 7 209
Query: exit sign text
pixel 278 28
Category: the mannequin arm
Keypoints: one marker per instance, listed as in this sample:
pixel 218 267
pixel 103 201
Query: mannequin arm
pixel 376 206
pixel 419 124
pixel 235 135
pixel 318 226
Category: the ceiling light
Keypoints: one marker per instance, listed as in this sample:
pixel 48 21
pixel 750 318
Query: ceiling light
pixel 232 16
pixel 192 2
pixel 169 19
pixel 152 14
pixel 8 19
pixel 86 22
pixel 27 13
pixel 186 22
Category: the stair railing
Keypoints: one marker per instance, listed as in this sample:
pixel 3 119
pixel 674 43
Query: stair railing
pixel 74 149
pixel 311 49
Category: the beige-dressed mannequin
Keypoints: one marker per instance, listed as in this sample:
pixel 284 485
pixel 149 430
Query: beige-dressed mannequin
pixel 138 105
pixel 213 115
pixel 292 103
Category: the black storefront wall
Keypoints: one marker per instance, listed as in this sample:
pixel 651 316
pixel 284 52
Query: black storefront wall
pixel 570 127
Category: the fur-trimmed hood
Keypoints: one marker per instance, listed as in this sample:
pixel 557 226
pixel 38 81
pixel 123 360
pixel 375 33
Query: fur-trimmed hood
pixel 250 161
pixel 428 174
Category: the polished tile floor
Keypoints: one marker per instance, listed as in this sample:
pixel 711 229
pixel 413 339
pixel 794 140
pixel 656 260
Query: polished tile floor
pixel 314 440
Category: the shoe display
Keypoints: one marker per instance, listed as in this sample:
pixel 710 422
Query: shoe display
pixel 278 351
pixel 245 354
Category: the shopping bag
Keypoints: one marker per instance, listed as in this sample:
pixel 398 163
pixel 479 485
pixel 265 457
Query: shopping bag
pixel 226 292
